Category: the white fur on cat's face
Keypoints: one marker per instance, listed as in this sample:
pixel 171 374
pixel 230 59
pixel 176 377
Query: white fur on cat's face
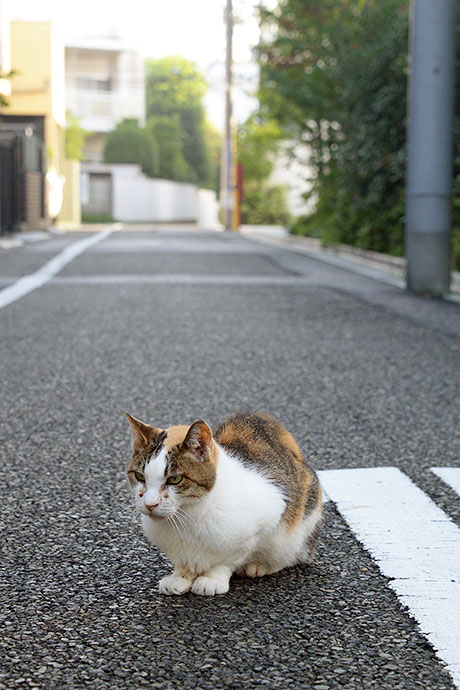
pixel 154 498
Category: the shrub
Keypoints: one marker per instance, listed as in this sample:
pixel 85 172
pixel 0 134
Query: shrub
pixel 128 143
pixel 264 205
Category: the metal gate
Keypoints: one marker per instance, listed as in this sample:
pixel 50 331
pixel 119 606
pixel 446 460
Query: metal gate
pixel 22 179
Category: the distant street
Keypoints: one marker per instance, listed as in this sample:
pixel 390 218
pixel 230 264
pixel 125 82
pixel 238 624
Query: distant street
pixel 174 325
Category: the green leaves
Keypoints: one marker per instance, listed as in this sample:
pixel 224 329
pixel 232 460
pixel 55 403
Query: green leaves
pixel 175 89
pixel 333 74
pixel 129 143
pixel 75 137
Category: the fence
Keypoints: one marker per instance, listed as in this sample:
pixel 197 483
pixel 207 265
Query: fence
pixel 22 179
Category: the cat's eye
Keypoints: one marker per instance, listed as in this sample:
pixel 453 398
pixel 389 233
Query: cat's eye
pixel 140 477
pixel 175 479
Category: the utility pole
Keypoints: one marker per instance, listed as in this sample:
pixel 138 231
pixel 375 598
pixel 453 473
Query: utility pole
pixel 430 135
pixel 228 182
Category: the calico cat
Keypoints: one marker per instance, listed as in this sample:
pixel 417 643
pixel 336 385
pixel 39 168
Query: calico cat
pixel 243 500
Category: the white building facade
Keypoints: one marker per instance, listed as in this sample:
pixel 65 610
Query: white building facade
pixel 104 84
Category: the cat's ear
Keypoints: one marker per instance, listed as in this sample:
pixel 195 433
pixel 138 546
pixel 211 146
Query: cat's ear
pixel 143 434
pixel 198 440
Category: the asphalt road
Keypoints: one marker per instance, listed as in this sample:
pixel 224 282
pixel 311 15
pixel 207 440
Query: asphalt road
pixel 173 326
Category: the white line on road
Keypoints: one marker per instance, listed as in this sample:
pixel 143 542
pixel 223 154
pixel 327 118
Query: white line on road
pixel 35 280
pixel 181 279
pixel 413 541
pixel 450 475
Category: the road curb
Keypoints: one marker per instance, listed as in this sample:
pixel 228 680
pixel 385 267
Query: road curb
pixel 383 267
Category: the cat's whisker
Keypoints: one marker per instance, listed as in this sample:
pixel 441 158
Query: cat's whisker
pixel 187 517
pixel 182 523
pixel 174 524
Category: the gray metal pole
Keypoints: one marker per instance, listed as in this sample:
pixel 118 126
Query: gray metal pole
pixel 228 191
pixel 429 166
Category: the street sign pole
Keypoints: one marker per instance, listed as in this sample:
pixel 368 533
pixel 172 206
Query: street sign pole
pixel 430 135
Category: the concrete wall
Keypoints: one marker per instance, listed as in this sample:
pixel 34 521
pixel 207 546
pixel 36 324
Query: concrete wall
pixel 208 210
pixel 141 199
pixel 131 197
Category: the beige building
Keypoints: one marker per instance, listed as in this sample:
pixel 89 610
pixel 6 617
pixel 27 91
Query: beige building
pixel 104 82
pixel 38 97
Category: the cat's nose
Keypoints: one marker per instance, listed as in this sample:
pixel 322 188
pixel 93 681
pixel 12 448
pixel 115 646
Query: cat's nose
pixel 151 506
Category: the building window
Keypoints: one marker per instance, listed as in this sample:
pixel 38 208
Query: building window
pixel 94 84
pixel 104 84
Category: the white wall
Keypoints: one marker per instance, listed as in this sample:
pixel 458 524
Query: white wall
pixel 208 210
pixel 135 198
pixel 143 200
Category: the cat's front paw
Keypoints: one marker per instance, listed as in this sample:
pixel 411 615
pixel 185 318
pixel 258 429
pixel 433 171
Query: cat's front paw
pixel 174 584
pixel 209 586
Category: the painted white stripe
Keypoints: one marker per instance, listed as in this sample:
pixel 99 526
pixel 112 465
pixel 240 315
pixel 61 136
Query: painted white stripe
pixel 181 279
pixel 35 280
pixel 450 475
pixel 413 541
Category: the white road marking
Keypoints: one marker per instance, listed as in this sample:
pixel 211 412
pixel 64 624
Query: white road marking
pixel 35 280
pixel 181 279
pixel 449 475
pixel 413 541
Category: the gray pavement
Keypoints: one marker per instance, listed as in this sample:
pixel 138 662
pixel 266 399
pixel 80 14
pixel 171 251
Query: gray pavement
pixel 174 326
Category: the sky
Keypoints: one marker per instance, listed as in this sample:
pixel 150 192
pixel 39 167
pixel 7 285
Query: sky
pixel 191 28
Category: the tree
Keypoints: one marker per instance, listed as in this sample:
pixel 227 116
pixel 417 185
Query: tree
pixel 258 142
pixel 333 74
pixel 129 143
pixel 214 145
pixel 75 137
pixel 5 76
pixel 175 87
pixel 167 132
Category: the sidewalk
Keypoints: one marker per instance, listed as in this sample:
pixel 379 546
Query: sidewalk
pixel 19 239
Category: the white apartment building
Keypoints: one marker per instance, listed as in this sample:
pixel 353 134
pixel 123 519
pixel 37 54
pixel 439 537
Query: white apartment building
pixel 104 84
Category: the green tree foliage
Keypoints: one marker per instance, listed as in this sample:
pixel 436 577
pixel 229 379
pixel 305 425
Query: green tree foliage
pixel 258 142
pixel 129 143
pixel 4 102
pixel 75 137
pixel 214 145
pixel 167 132
pixel 176 88
pixel 333 74
pixel 264 204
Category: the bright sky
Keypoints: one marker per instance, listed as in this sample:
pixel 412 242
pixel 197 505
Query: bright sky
pixel 191 28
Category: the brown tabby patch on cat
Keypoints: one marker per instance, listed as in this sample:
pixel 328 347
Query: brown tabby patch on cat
pixel 264 444
pixel 198 444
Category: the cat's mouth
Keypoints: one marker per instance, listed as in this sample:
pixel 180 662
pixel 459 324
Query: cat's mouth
pixel 155 516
